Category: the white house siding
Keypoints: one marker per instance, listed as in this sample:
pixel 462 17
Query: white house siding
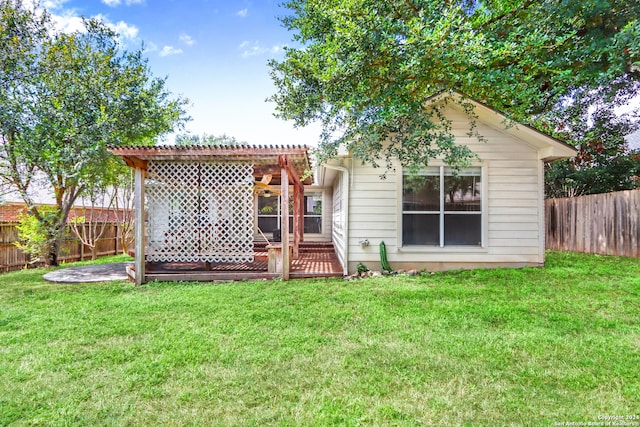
pixel 338 218
pixel 513 213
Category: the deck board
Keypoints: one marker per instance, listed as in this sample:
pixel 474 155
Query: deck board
pixel 315 260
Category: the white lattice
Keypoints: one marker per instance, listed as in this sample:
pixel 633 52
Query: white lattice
pixel 200 211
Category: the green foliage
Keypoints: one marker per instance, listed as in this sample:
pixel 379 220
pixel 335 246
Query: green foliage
pixel 604 162
pixel 205 139
pixel 366 69
pixel 64 97
pixel 361 268
pixel 34 235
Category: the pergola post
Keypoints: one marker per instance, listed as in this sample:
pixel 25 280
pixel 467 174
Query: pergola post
pixel 139 223
pixel 298 198
pixel 284 186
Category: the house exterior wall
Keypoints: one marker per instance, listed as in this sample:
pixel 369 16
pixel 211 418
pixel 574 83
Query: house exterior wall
pixel 338 218
pixel 513 208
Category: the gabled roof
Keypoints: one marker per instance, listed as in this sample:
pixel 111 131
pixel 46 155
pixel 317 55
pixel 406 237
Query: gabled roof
pixel 549 148
pixel 265 158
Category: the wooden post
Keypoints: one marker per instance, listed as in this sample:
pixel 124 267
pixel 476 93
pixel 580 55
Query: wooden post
pixel 297 214
pixel 140 242
pixel 284 186
pixel 301 218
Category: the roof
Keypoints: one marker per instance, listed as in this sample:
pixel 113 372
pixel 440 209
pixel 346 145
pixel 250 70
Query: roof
pixel 265 158
pixel 549 148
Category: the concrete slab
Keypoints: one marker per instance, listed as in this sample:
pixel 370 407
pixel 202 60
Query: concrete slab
pixel 89 273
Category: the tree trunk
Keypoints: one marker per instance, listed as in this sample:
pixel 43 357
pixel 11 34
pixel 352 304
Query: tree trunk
pixel 52 256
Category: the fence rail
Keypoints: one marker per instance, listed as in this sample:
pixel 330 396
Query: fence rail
pixel 606 224
pixel 12 258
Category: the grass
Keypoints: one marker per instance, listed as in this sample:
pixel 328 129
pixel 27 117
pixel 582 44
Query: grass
pixel 532 346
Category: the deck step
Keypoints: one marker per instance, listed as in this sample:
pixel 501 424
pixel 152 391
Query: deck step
pixel 305 247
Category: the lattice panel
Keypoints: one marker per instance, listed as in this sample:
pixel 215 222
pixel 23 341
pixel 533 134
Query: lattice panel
pixel 200 211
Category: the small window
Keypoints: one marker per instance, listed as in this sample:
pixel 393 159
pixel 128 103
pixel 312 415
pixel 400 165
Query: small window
pixel 312 211
pixel 442 208
pixel 270 212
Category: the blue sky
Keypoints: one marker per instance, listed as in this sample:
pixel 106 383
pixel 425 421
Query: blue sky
pixel 213 52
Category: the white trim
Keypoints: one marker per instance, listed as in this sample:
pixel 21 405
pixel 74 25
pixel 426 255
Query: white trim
pixel 345 198
pixel 541 214
pixel 436 249
pixel 484 205
pixel 484 222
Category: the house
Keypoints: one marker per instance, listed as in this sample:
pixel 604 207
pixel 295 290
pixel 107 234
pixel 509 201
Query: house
pixel 491 215
pixel 210 205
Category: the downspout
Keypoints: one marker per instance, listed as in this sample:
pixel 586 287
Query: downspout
pixel 346 186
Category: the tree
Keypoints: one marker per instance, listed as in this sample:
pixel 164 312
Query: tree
pixel 366 69
pixel 64 98
pixel 124 204
pixel 90 222
pixel 604 162
pixel 206 139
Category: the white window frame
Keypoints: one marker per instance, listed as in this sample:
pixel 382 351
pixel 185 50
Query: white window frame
pixel 441 247
pixel 278 214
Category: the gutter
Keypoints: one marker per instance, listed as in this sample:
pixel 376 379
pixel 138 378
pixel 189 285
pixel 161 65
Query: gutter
pixel 346 186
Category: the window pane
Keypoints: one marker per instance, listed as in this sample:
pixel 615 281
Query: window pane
pixel 461 229
pixel 267 205
pixel 462 193
pixel 421 193
pixel 421 229
pixel 313 224
pixel 267 223
pixel 313 204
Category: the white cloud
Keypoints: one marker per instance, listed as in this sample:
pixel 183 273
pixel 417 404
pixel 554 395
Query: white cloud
pixel 249 49
pixel 187 39
pixel 276 49
pixel 242 13
pixel 115 3
pixel 52 4
pixel 150 47
pixel 170 50
pixel 126 31
pixel 67 22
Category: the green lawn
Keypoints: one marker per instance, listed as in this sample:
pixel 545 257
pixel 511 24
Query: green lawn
pixel 533 346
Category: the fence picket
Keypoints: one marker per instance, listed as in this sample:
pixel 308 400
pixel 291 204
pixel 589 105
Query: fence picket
pixel 12 258
pixel 606 224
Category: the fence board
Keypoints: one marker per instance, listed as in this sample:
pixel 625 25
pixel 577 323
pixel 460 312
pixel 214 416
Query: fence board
pixel 12 258
pixel 606 224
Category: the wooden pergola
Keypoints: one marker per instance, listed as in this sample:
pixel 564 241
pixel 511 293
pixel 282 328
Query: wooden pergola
pixel 282 166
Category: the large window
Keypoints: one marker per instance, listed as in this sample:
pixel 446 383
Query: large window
pixel 442 208
pixel 270 213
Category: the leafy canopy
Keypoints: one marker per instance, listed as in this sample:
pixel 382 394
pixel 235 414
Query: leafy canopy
pixel 366 69
pixel 63 98
pixel 206 139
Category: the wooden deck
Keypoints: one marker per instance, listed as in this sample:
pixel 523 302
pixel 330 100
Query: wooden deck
pixel 316 259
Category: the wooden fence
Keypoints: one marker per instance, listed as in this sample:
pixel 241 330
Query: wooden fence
pixel 12 258
pixel 606 224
